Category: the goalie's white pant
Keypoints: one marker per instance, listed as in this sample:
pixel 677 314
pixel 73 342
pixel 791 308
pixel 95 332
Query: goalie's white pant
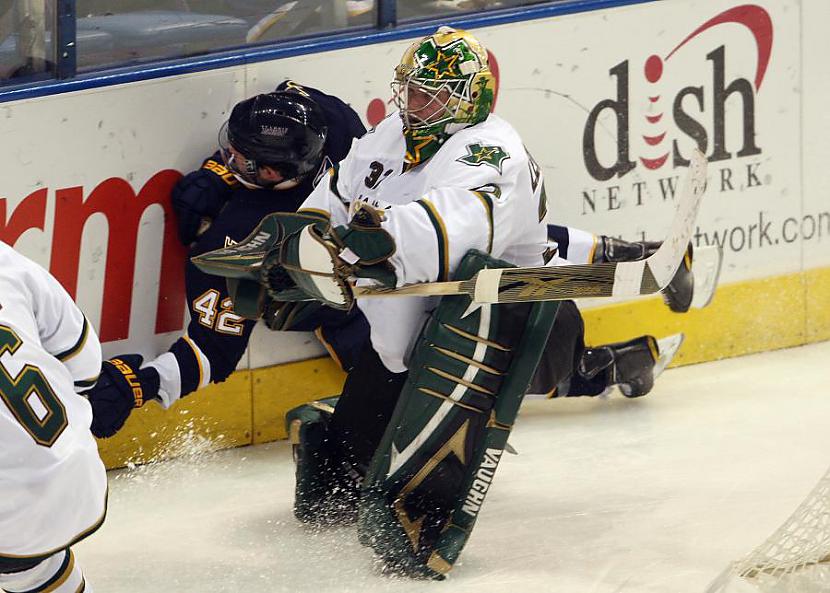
pixel 58 574
pixel 395 324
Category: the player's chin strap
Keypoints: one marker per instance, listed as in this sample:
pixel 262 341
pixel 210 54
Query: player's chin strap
pixel 278 186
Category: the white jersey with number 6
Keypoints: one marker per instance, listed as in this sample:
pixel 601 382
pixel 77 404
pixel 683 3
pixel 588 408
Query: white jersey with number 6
pixel 52 482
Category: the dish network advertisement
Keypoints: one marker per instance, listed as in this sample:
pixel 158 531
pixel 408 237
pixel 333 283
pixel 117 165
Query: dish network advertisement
pixel 609 102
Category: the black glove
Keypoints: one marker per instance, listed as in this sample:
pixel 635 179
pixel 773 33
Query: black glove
pixel 199 196
pixel 121 387
pixel 611 249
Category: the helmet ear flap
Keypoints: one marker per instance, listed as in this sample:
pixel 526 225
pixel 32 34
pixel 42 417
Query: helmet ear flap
pixel 482 95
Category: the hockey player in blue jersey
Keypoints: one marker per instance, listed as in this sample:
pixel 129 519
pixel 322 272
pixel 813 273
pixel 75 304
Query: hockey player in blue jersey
pixel 272 147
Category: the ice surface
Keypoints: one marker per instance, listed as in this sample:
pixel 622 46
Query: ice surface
pixel 606 496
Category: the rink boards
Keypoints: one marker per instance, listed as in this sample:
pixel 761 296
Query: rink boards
pixel 608 102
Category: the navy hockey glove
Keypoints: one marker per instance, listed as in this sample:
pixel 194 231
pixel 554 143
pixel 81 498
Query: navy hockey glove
pixel 199 196
pixel 121 387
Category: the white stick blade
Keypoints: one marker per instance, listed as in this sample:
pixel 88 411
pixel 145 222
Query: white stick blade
pixel 706 267
pixel 664 263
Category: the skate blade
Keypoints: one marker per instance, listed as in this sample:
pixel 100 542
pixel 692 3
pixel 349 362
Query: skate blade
pixel 706 267
pixel 668 347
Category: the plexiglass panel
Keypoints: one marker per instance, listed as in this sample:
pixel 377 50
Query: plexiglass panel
pixel 26 40
pixel 111 33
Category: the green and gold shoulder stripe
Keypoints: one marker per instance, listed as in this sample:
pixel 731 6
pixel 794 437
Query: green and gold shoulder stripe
pixel 79 345
pixel 543 203
pixel 441 235
pixel 334 178
pixel 487 202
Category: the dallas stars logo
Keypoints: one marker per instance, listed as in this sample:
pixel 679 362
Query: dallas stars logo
pixel 419 147
pixel 413 148
pixel 444 66
pixel 478 155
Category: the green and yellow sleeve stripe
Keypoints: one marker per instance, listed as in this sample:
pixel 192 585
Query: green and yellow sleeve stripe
pixel 487 202
pixel 443 238
pixel 77 347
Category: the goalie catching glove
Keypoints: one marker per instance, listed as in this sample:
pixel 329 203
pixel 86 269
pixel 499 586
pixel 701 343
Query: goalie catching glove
pixel 321 260
pixel 301 257
pixel 121 387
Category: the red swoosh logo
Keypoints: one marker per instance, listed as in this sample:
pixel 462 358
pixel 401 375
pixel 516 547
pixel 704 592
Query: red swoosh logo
pixel 754 18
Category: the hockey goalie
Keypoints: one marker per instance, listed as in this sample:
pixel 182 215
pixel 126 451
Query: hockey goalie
pixel 439 191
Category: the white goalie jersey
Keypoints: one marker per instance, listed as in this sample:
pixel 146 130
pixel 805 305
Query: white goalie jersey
pixel 52 480
pixel 481 190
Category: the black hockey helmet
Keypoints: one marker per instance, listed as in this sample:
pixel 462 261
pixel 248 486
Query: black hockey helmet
pixel 283 129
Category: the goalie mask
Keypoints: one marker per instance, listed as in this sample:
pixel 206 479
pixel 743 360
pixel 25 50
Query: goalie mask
pixel 283 130
pixel 444 83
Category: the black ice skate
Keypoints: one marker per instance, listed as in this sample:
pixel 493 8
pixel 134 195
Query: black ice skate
pixel 633 365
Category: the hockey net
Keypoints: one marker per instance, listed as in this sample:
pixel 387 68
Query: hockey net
pixel 794 559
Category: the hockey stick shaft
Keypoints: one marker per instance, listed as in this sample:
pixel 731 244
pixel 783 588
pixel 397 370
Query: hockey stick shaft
pixel 623 279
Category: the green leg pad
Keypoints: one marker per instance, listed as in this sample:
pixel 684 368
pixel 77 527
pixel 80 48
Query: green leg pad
pixel 428 478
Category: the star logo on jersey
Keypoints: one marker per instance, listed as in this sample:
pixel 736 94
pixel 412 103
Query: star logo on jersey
pixel 478 155
pixel 413 153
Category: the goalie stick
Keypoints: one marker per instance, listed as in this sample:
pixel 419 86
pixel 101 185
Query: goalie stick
pixel 706 267
pixel 554 283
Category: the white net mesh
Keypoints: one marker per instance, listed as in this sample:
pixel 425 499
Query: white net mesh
pixel 796 558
